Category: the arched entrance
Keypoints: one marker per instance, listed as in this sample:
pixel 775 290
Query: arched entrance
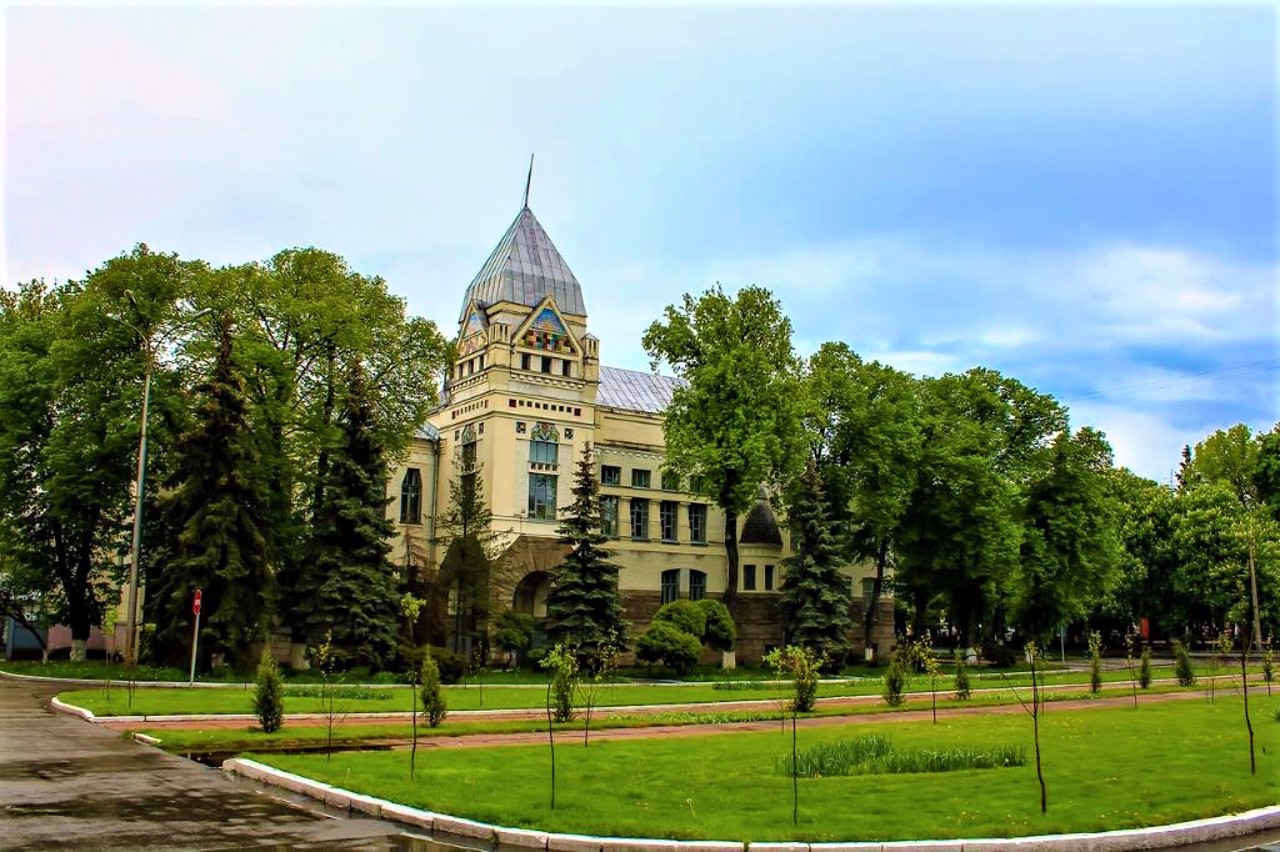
pixel 531 594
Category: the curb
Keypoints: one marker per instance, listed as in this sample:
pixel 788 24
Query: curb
pixel 63 707
pixel 1152 837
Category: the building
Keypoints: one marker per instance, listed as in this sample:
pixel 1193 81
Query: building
pixel 525 394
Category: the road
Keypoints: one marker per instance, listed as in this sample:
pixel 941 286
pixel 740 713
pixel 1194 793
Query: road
pixel 72 785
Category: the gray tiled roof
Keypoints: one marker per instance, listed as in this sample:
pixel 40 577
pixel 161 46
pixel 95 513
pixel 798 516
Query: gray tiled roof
pixel 525 268
pixel 633 390
pixel 761 527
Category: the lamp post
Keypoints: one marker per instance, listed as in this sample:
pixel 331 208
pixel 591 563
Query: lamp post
pixel 146 340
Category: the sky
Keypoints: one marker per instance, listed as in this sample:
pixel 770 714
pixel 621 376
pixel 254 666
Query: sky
pixel 1083 197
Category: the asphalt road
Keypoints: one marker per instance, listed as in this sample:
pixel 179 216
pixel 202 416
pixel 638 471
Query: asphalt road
pixel 66 784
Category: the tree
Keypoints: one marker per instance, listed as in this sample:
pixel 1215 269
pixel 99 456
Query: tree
pixel 513 633
pixel 664 643
pixel 583 609
pixel 734 423
pixel 865 433
pixel 815 595
pixel 349 586
pixel 217 505
pixel 1070 546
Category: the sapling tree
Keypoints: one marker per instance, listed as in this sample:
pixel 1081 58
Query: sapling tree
pixel 1128 662
pixel 268 694
pixel 1182 664
pixel 895 680
pixel 1037 705
pixel 326 661
pixel 801 665
pixel 434 706
pixel 109 619
pixel 922 660
pixel 1221 649
pixel 962 677
pixel 562 665
pixel 1144 668
pixel 1268 665
pixel 1244 690
pixel 411 606
pixel 605 662
pixel 1095 662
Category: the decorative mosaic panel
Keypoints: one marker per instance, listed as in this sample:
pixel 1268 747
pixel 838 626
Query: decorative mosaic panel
pixel 475 324
pixel 520 427
pixel 468 434
pixel 546 332
pixel 545 432
pixel 471 344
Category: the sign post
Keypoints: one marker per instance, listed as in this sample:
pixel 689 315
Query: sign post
pixel 195 637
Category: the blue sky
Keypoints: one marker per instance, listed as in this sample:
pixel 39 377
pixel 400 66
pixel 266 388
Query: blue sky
pixel 1083 197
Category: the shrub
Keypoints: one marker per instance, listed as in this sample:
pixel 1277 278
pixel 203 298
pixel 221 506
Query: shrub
pixel 962 678
pixel 685 616
pixel 268 695
pixel 895 683
pixel 1095 662
pixel 720 631
pixel 434 707
pixel 801 667
pixel 663 643
pixel 1000 656
pixel 874 754
pixel 452 667
pixel 1144 668
pixel 514 634
pixel 562 663
pixel 1182 664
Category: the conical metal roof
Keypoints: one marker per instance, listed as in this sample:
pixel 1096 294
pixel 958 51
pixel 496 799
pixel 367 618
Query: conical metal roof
pixel 525 268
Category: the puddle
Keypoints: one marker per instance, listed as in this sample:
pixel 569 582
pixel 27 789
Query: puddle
pixel 216 758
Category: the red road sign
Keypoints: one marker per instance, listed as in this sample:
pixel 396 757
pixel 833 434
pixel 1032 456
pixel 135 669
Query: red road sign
pixel 195 604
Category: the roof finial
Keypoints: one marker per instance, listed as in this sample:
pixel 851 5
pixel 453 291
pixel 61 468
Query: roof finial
pixel 527 182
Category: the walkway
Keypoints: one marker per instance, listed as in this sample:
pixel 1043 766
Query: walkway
pixel 70 785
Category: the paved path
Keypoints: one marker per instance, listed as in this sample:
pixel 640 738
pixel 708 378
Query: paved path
pixel 71 785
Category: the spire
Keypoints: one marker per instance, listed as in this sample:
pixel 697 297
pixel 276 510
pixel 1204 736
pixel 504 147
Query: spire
pixel 528 181
pixel 525 268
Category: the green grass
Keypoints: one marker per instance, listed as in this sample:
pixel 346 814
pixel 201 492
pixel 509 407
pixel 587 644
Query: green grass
pixel 1106 768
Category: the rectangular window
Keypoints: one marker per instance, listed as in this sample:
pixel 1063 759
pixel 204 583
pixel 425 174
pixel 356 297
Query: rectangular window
pixel 411 497
pixel 610 474
pixel 868 587
pixel 697 585
pixel 768 578
pixel 639 518
pixel 542 497
pixel 609 516
pixel 670 480
pixel 639 478
pixel 668 515
pixel 566 367
pixel 524 360
pixel 544 452
pixel 748 578
pixel 546 364
pixel 670 585
pixel 698 523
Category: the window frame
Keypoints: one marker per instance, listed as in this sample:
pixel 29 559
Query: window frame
pixel 698 531
pixel 769 577
pixel 669 510
pixel 610 474
pixel 669 590
pixel 749 578
pixel 697 584
pixel 609 517
pixel 641 474
pixel 411 496
pixel 639 505
pixel 547 506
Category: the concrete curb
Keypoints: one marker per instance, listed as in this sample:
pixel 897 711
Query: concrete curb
pixel 1153 837
pixel 63 707
pixel 145 739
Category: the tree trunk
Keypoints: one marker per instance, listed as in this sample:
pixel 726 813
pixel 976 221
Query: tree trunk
pixel 731 550
pixel 870 613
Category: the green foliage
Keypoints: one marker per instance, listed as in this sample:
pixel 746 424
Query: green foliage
pixel 434 706
pixel 562 664
pixel 874 754
pixel 1268 664
pixel 800 665
pixel 895 682
pixel 665 644
pixel 735 424
pixel 1182 664
pixel 962 689
pixel 513 633
pixel 1144 668
pixel 583 608
pixel 452 666
pixel 815 594
pixel 720 632
pixel 268 695
pixel 216 503
pixel 348 587
pixel 685 616
pixel 1095 662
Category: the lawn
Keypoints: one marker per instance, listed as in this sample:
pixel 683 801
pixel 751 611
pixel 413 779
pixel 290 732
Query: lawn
pixel 1105 768
pixel 238 698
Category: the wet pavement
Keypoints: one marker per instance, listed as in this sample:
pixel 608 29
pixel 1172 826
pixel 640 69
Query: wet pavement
pixel 68 784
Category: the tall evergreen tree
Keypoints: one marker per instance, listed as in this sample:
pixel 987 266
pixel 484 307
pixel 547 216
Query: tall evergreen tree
pixel 583 607
pixel 217 508
pixel 347 585
pixel 467 568
pixel 815 595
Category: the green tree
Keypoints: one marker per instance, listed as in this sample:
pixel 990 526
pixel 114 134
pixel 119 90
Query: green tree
pixel 734 423
pixel 268 695
pixel 863 420
pixel 665 644
pixel 349 586
pixel 583 609
pixel 216 502
pixel 815 595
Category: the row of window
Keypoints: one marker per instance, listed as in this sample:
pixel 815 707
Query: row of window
pixel 469 367
pixel 640 477
pixel 749 578
pixel 546 364
pixel 668 520
pixel 671 585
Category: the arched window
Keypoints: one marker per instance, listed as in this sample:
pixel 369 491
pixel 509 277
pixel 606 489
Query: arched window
pixel 697 585
pixel 411 497
pixel 670 585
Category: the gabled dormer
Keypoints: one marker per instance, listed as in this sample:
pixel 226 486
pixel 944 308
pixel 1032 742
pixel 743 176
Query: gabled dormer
pixel 545 343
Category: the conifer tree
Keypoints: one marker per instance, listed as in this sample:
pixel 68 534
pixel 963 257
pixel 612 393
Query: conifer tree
pixel 467 568
pixel 348 586
pixel 815 595
pixel 217 510
pixel 583 607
